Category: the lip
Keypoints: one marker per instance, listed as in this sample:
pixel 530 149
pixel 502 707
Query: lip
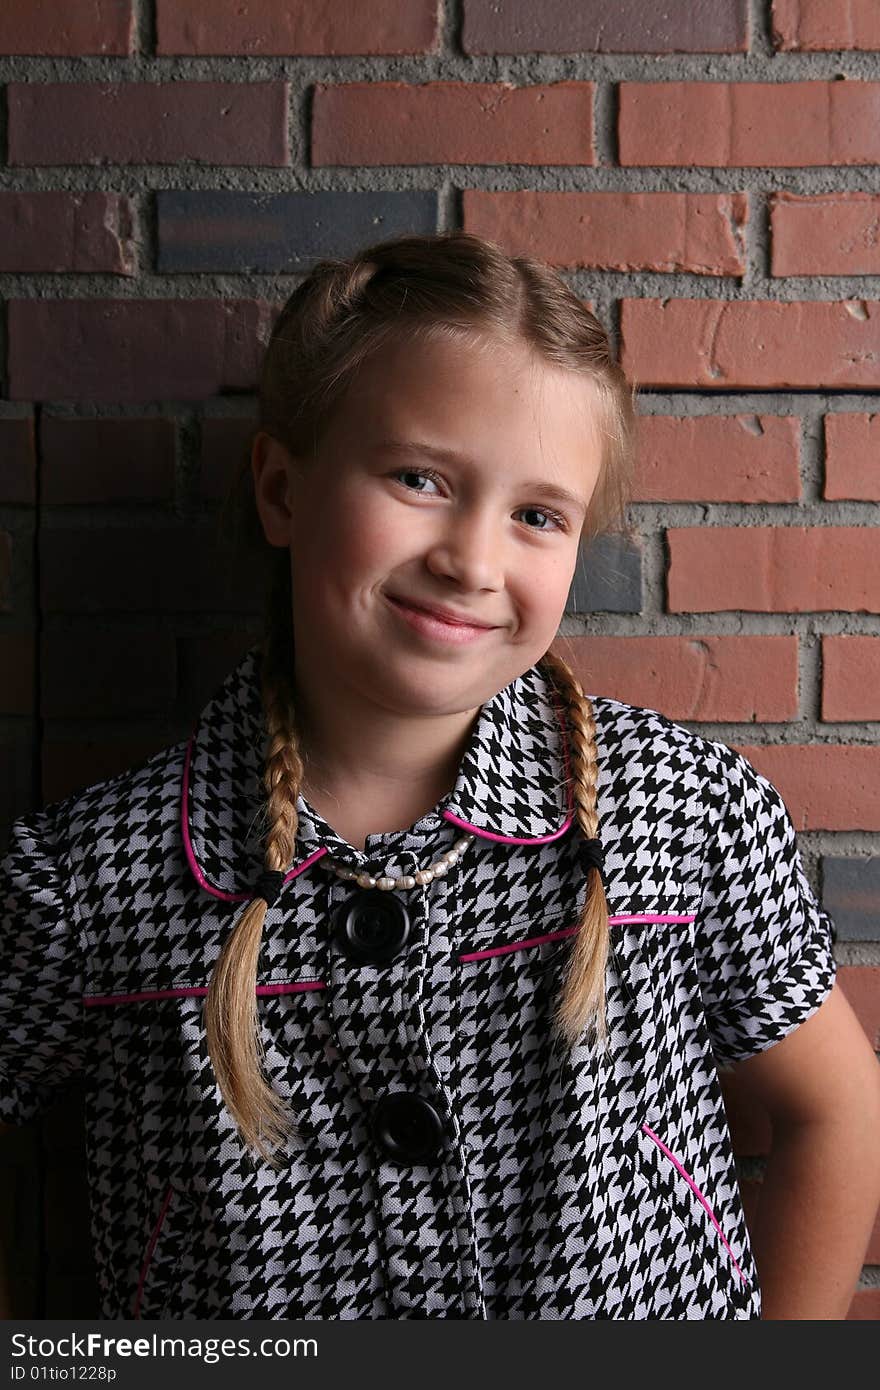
pixel 438 622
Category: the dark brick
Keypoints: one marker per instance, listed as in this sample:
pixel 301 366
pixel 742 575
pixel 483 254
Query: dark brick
pixel 16 673
pixel 226 447
pixel 608 578
pixel 66 232
pixel 98 672
pixel 594 26
pixel 134 350
pixel 298 26
pixel 44 26
pixel 206 659
pixel 17 461
pixel 148 569
pixel 148 123
pixel 6 603
pixel 103 460
pixel 851 894
pixel 281 231
pixel 72 763
pixel 16 777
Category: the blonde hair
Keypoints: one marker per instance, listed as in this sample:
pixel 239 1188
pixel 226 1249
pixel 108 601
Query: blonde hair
pixel 449 283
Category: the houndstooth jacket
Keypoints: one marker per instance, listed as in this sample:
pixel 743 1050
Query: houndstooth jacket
pixel 566 1183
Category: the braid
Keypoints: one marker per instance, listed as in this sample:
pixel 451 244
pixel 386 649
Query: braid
pixel 232 1022
pixel 583 997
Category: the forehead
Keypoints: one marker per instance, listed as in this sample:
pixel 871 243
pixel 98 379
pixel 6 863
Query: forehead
pixel 476 396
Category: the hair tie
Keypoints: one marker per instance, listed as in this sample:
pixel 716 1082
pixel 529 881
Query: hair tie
pixel 592 856
pixel 269 885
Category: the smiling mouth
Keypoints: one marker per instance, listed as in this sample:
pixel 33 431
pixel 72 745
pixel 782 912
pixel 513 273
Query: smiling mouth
pixel 440 615
pixel 434 628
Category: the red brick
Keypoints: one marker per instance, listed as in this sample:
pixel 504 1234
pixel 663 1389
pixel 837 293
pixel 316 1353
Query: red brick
pixel 850 677
pixel 825 786
pixel 103 460
pixel 134 350
pixel 594 26
pixel 697 232
pixel 144 569
pixel 298 26
pixel 5 571
pixel 148 122
pixel 861 985
pixel 852 447
pixel 66 232
pixel 100 673
pixel 70 764
pixel 710 678
pixel 42 26
pixel 773 569
pixel 226 448
pixel 751 343
pixel 718 458
pixel 825 234
pixel 815 25
pixel 18 469
pixel 17 671
pixel 366 123
pixel 743 124
pixel 865 1306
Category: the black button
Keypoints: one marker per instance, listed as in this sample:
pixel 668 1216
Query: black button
pixel 371 927
pixel 407 1127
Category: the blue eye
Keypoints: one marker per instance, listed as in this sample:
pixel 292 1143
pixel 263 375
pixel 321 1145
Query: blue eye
pixel 418 473
pixel 432 476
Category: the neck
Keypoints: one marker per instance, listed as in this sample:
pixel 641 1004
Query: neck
pixel 359 754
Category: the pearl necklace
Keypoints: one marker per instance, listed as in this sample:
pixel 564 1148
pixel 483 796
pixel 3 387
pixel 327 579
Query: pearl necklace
pixel 420 877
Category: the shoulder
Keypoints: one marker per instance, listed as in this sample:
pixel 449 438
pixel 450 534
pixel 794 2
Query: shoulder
pixel 143 797
pixel 644 739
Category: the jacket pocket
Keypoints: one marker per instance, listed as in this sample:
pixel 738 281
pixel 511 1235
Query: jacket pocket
pixel 670 1179
pixel 158 1294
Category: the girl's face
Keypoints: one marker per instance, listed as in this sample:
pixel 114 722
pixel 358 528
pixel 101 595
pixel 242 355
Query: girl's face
pixel 454 475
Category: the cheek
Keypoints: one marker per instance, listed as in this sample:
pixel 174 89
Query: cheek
pixel 345 546
pixel 544 588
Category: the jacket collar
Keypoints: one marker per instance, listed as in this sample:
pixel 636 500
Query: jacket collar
pixel 513 784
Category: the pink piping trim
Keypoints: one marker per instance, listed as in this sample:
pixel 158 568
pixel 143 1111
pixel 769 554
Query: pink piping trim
pixel 530 839
pixel 91 1001
pixel 563 932
pixel 136 1312
pixel 190 853
pixel 693 1186
pixel 449 815
pixel 507 839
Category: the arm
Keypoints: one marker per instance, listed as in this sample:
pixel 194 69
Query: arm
pixel 821 1088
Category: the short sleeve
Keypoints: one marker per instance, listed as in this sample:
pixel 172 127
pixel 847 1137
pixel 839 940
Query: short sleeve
pixel 41 989
pixel 764 945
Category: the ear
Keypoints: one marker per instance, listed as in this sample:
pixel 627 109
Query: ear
pixel 270 466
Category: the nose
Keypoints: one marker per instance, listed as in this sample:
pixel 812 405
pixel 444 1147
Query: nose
pixel 469 551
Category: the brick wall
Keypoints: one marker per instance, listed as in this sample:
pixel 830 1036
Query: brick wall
pixel 706 176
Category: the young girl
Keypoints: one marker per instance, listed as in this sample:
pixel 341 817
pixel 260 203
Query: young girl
pixel 401 989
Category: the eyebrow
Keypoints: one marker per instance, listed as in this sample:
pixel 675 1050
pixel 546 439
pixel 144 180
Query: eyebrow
pixel 411 448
